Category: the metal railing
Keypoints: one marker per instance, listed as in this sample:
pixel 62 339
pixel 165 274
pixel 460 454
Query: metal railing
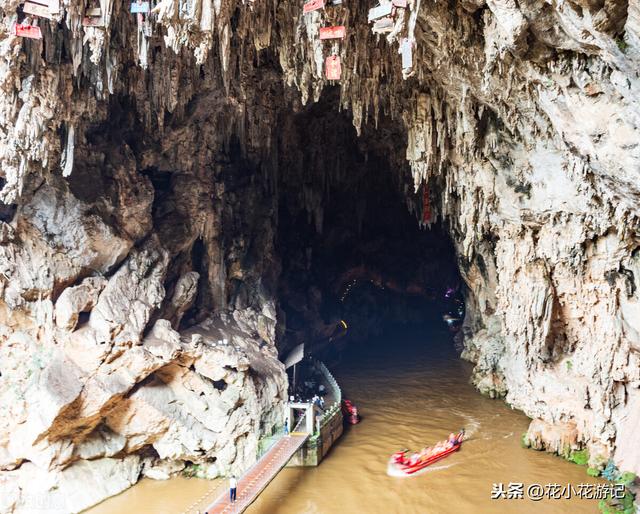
pixel 300 421
pixel 336 391
pixel 267 442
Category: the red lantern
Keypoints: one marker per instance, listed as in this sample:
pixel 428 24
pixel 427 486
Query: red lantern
pixel 332 67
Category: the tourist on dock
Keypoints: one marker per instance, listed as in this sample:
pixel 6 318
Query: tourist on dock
pixel 318 402
pixel 233 484
pixel 286 427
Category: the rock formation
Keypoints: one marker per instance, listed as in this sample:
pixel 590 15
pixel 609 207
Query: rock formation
pixel 142 157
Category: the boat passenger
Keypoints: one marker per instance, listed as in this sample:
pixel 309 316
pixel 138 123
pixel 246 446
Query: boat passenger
pixel 400 456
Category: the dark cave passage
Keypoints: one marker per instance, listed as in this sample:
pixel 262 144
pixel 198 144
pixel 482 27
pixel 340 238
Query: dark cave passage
pixel 354 258
pixel 325 222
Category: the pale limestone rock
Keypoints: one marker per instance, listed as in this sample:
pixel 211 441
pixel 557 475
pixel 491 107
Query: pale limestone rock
pixel 54 393
pixel 7 232
pixel 183 297
pixel 102 442
pixel 67 491
pixel 75 300
pixel 162 469
pixel 124 307
pixel 560 438
pixel 138 422
pixel 627 447
pixel 84 239
pixel 511 22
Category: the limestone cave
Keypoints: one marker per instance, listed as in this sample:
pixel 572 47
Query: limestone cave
pixel 193 190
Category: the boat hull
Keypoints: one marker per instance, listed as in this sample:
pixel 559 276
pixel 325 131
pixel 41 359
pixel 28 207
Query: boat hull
pixel 350 413
pixel 395 469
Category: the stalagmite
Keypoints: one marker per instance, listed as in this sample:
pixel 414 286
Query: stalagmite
pixel 66 160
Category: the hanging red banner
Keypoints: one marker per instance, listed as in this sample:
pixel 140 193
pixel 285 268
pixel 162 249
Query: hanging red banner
pixel 337 32
pixel 426 206
pixel 29 31
pixel 332 67
pixel 313 5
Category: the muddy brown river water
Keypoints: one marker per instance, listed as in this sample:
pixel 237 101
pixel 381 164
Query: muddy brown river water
pixel 412 390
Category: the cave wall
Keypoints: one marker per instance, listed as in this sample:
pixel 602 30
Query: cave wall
pixel 138 183
pixel 138 310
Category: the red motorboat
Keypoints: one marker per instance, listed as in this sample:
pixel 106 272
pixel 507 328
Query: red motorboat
pixel 350 412
pixel 403 463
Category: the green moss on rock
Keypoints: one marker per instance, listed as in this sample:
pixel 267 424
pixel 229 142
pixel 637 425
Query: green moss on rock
pixel 580 457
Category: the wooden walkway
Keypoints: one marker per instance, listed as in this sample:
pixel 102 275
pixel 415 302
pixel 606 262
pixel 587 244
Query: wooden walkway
pixel 251 484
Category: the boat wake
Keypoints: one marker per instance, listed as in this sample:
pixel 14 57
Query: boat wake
pixel 392 471
pixel 473 425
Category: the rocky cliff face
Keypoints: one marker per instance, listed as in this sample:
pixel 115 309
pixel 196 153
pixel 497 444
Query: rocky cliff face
pixel 141 161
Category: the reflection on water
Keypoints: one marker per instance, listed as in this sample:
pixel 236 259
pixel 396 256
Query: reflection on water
pixel 172 496
pixel 411 390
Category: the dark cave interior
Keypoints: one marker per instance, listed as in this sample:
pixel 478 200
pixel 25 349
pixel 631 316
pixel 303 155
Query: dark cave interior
pixel 327 221
pixel 354 258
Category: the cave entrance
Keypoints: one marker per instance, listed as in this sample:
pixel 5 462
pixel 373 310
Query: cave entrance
pixel 356 254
